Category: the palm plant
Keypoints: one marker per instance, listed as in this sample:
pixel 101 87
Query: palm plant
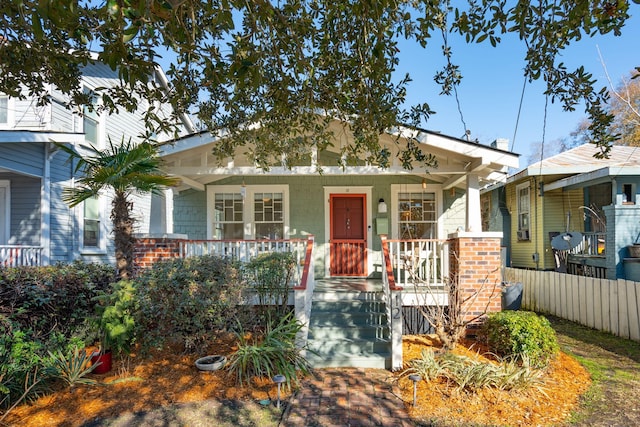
pixel 124 169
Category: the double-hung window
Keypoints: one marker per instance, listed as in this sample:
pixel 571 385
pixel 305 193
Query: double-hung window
pixel 523 197
pixel 91 225
pixel 6 112
pixel 248 212
pixel 415 211
pixel 91 120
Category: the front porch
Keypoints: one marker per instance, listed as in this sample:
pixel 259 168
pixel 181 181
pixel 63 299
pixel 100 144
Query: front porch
pixel 359 321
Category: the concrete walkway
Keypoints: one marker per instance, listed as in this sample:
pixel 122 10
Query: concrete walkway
pixel 347 397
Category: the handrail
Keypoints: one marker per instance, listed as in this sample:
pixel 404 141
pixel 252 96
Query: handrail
pixel 307 264
pixel 390 279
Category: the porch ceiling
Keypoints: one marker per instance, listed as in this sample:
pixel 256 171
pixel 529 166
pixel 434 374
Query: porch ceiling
pixel 191 159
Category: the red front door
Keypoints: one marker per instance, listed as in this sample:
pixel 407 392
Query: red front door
pixel 348 240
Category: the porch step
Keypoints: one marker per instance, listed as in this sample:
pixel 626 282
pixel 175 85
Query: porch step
pixel 348 329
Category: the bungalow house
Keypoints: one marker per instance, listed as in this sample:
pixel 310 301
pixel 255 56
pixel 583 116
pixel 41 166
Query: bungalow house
pixel 365 236
pixel 346 208
pixel 36 226
pixel 572 192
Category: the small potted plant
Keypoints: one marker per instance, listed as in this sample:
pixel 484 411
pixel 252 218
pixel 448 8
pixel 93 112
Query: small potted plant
pixel 116 324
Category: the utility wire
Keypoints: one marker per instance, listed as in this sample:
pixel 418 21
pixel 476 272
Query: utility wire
pixel 515 130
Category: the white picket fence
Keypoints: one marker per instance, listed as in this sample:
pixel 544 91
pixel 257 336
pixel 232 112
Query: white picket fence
pixel 607 305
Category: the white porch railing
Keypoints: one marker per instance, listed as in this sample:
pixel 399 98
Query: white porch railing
pixel 19 256
pixel 421 261
pixel 592 244
pixel 246 250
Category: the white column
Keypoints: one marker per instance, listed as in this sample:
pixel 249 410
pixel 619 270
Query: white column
pixel 474 220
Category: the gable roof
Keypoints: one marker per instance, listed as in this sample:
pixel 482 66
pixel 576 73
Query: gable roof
pixel 579 160
pixel 191 159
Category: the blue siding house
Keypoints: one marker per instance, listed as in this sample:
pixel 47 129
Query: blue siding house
pixel 36 226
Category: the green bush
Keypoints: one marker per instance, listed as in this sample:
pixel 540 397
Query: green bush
pixel 270 275
pixel 186 300
pixel 44 309
pixel 59 298
pixel 116 321
pixel 521 334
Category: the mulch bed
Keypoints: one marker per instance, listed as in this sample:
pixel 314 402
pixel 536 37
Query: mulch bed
pixel 162 379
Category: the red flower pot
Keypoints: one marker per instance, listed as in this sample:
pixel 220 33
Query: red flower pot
pixel 104 360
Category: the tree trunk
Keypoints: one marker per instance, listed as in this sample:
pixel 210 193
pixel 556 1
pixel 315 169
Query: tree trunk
pixel 123 234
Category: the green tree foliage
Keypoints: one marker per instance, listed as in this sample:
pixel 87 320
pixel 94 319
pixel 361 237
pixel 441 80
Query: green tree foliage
pixel 281 63
pixel 123 169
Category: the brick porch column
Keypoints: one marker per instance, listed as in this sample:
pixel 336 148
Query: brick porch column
pixel 150 248
pixel 475 263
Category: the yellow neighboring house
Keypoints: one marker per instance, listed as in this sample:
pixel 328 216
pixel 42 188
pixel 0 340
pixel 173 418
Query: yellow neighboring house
pixel 572 192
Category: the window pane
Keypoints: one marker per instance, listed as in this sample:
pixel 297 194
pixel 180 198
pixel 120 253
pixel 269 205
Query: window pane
pixel 267 230
pixel 4 109
pixel 229 231
pixel 92 208
pixel 417 217
pixel 228 216
pixel 268 215
pixel 91 233
pixel 91 130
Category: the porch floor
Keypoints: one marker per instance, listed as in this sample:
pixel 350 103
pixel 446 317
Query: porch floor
pixel 348 284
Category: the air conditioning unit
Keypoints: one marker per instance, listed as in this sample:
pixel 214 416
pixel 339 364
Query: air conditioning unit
pixel 523 234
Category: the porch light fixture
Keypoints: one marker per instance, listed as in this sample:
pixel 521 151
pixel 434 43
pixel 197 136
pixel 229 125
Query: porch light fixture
pixel 243 190
pixel 424 183
pixel 382 206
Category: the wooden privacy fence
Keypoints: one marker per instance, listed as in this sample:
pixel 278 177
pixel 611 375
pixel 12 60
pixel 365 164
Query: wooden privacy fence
pixel 606 305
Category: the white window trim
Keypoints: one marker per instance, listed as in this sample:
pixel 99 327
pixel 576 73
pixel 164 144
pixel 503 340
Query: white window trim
pixel 523 234
pixel 10 113
pixel 101 249
pixel 247 212
pixel 101 121
pixel 396 189
pixel 520 187
pixel 6 184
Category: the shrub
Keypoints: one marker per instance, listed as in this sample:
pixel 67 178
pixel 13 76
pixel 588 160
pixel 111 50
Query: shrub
pixel 270 275
pixel 469 374
pixel 269 355
pixel 186 300
pixel 520 334
pixel 53 299
pixel 44 309
pixel 116 310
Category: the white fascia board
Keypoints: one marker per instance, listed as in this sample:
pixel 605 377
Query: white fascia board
pixel 188 143
pixel 29 136
pixel 460 147
pixel 592 176
pixel 558 170
pixel 281 171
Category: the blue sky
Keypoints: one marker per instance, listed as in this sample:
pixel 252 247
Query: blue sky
pixel 492 83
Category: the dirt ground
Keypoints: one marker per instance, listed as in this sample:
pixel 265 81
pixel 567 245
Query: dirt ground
pixel 167 380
